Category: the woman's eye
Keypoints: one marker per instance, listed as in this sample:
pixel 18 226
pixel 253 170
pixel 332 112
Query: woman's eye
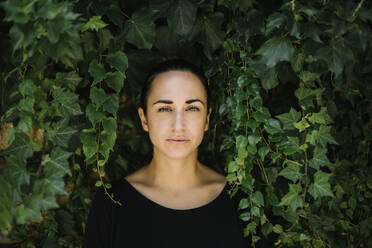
pixel 164 110
pixel 193 109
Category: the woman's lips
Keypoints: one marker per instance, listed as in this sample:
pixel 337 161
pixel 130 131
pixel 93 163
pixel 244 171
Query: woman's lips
pixel 177 141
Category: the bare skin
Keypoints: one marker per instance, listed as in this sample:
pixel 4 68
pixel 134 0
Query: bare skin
pixel 176 109
pixel 211 185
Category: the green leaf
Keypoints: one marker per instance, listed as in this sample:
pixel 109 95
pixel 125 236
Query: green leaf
pixel 320 118
pixel 269 79
pixel 56 163
pixel 26 87
pixel 212 34
pixel 97 71
pixel 89 139
pixel 115 80
pixel 6 203
pixel 301 125
pixel 291 171
pixel 242 153
pixel 336 56
pixel 253 139
pixel 320 158
pixel 119 61
pixel 241 141
pixel 50 186
pixel 267 228
pixel 111 105
pixel 182 16
pixel 67 102
pixel 243 203
pixel 70 80
pixel 16 168
pixel 140 29
pixel 321 186
pixel 97 95
pixel 288 119
pixel 274 21
pixel 93 114
pixel 21 147
pixel 109 124
pixel 289 146
pixel 258 198
pixel 275 50
pixel 94 23
pixel 263 151
pixel 60 134
pixel 27 104
pixel 325 137
pixel 292 199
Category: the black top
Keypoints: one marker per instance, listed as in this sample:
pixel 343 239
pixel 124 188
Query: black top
pixel 141 222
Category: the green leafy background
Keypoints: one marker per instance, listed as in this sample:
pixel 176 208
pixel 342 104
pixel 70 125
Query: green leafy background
pixel 291 98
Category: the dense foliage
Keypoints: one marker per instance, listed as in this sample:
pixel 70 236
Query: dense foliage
pixel 291 127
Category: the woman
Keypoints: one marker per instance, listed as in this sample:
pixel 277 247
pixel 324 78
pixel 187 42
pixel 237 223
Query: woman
pixel 174 201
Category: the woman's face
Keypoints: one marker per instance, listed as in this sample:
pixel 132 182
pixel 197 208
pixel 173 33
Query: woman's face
pixel 176 113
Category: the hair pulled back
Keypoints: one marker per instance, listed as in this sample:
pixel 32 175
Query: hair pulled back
pixel 171 65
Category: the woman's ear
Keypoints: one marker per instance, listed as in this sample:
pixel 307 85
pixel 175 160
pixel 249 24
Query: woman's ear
pixel 143 118
pixel 207 120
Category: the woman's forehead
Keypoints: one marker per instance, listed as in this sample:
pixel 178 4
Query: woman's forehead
pixel 177 85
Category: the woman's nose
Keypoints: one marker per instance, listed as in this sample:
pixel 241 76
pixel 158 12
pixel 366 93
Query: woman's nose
pixel 178 121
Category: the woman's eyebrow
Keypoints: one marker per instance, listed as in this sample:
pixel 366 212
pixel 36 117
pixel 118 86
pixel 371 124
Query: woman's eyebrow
pixel 170 102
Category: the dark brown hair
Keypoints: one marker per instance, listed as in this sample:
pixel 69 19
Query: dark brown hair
pixel 171 65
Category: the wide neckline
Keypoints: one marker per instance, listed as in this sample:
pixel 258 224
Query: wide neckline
pixel 158 205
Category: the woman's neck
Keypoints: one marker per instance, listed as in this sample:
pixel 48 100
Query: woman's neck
pixel 174 175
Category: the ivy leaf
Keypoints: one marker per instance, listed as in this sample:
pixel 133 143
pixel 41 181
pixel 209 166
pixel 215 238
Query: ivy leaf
pixel 27 104
pixel 115 80
pixel 291 171
pixel 324 136
pixel 93 114
pixel 97 71
pixel 56 163
pixel 89 139
pixel 16 167
pixel 140 29
pixel 50 186
pixel 61 133
pixel 6 203
pixel 253 139
pixel 321 117
pixel 301 125
pixel 109 124
pixel 336 56
pixel 263 151
pixel 94 23
pixel 70 80
pixel 241 141
pixel 212 34
pixel 288 119
pixel 26 87
pixel 258 198
pixel 182 16
pixel 321 186
pixel 274 21
pixel 111 105
pixel 20 147
pixel 243 203
pixel 118 60
pixel 292 199
pixel 320 158
pixel 67 102
pixel 289 146
pixel 97 95
pixel 275 50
